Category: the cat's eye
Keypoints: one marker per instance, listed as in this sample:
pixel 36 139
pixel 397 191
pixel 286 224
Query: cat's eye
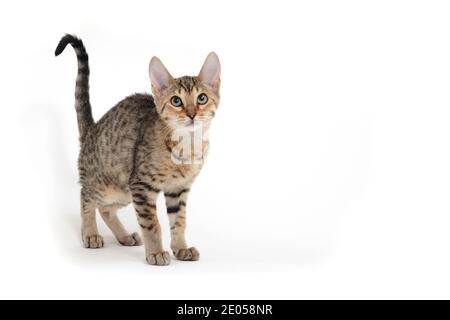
pixel 202 98
pixel 176 101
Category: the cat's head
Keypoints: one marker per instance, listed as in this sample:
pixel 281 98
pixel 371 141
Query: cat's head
pixel 186 102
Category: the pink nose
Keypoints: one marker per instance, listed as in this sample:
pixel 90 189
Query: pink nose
pixel 191 112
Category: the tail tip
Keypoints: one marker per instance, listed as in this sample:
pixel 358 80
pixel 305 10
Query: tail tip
pixel 58 51
pixel 65 40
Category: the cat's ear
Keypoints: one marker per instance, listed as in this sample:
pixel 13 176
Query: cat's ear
pixel 210 73
pixel 159 77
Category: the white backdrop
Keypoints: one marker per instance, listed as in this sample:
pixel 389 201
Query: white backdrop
pixel 329 168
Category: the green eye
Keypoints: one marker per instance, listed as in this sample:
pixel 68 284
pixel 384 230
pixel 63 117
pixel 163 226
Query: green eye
pixel 176 101
pixel 202 99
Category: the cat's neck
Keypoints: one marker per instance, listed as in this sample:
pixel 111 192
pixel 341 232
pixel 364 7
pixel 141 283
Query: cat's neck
pixel 184 146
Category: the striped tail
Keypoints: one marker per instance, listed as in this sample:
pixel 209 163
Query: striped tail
pixel 82 103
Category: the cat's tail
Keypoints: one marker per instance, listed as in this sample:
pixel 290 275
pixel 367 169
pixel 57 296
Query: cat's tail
pixel 82 103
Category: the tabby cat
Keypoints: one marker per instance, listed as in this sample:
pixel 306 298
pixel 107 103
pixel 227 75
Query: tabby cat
pixel 131 155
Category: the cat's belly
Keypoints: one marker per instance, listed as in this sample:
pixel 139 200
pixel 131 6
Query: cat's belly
pixel 172 178
pixel 115 196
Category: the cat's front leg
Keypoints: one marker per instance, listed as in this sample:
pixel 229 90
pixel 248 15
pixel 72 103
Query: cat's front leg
pixel 176 209
pixel 144 201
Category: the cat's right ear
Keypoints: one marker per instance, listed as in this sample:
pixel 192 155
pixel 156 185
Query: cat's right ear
pixel 159 76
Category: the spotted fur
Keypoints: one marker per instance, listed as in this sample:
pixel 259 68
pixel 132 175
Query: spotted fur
pixel 127 157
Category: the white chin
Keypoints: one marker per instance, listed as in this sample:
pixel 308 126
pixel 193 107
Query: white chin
pixel 191 127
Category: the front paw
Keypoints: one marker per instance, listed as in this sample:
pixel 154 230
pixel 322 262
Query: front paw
pixel 189 254
pixel 159 258
pixel 93 241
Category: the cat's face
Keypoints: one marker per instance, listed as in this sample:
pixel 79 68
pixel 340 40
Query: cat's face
pixel 187 102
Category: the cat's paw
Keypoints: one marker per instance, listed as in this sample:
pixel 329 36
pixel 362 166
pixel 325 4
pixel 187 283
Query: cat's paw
pixel 131 240
pixel 93 241
pixel 189 254
pixel 159 258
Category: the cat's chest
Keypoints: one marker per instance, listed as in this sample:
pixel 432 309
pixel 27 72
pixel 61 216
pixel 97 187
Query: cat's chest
pixel 182 167
pixel 181 175
pixel 167 166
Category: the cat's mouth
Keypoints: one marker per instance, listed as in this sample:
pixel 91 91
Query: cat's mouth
pixel 191 125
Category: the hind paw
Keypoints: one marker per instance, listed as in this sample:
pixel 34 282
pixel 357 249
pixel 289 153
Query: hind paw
pixel 131 240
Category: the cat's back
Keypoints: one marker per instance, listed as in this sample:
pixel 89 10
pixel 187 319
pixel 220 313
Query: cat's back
pixel 108 148
pixel 127 114
pixel 125 118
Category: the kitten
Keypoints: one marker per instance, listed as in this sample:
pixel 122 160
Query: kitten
pixel 132 154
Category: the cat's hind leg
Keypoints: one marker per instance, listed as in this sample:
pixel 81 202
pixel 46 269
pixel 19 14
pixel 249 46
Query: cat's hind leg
pixel 109 215
pixel 89 232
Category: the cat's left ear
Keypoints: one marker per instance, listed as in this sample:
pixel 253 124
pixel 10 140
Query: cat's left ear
pixel 210 73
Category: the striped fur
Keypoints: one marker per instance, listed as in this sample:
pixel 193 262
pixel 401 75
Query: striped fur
pixel 82 101
pixel 127 157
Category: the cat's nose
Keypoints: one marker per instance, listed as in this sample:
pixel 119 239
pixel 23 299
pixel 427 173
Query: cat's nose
pixel 191 112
